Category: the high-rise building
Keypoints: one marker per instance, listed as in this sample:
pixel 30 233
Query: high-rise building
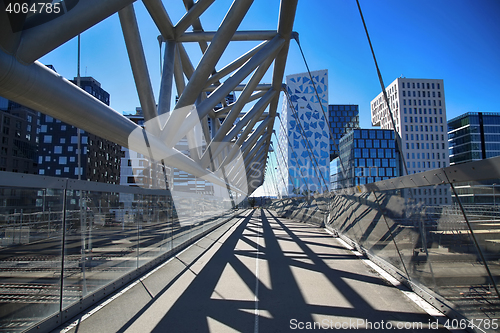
pixel 419 117
pixel 305 141
pixel 474 136
pixel 19 138
pixel 342 119
pixel 366 156
pixel 18 151
pixel 93 159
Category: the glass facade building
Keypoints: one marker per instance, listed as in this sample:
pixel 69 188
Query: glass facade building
pixel 342 119
pixel 366 156
pixel 475 136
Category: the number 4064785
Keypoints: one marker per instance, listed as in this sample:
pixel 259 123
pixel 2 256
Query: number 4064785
pixel 40 7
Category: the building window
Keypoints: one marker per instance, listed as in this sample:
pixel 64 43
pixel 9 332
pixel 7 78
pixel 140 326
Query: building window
pixel 63 160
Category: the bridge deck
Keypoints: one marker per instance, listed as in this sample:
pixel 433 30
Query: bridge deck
pixel 260 273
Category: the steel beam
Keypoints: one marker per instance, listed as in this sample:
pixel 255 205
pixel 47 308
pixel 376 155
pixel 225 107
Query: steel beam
pixel 160 16
pixel 240 87
pixel 206 36
pixel 234 65
pixel 40 40
pixel 221 92
pixel 166 79
pixel 242 100
pixel 215 50
pixel 221 113
pixel 196 25
pixel 191 16
pixel 138 62
pixel 226 134
pixel 9 40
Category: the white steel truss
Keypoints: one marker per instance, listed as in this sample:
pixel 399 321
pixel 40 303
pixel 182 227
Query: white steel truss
pixel 26 81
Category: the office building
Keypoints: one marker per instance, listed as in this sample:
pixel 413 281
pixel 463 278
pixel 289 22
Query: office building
pixel 366 156
pixel 19 138
pixel 305 140
pixel 342 119
pixel 418 112
pixel 18 152
pixel 62 155
pixel 475 136
pixel 139 170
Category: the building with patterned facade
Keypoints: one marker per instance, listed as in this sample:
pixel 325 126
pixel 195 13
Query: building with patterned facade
pixel 366 156
pixel 61 155
pixel 419 117
pixel 305 141
pixel 342 119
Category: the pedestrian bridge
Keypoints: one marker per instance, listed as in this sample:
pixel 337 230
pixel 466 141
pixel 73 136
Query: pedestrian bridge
pixel 82 256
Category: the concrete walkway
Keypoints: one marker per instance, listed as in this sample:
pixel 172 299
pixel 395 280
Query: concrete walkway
pixel 262 274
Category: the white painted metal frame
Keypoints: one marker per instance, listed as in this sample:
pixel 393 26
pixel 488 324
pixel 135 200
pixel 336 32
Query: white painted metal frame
pixel 28 82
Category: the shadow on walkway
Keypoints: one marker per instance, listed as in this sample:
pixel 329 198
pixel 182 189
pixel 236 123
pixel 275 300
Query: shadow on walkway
pixel 271 275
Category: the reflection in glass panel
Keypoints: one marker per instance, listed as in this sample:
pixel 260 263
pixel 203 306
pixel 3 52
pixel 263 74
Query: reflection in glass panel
pixel 30 255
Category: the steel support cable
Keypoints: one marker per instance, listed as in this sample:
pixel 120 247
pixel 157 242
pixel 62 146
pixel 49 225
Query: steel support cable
pixel 377 201
pixel 283 159
pixel 268 183
pixel 293 151
pixel 386 99
pixel 274 179
pixel 296 37
pixel 278 167
pixel 474 239
pixel 307 143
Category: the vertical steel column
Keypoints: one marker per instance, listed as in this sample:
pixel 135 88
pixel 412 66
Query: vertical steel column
pixel 138 62
pixel 167 76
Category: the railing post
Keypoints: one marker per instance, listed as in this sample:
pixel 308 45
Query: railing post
pixel 63 249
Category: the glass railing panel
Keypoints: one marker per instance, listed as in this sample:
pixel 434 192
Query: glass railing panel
pixel 100 242
pixel 478 202
pixel 30 256
pixel 360 217
pixel 155 228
